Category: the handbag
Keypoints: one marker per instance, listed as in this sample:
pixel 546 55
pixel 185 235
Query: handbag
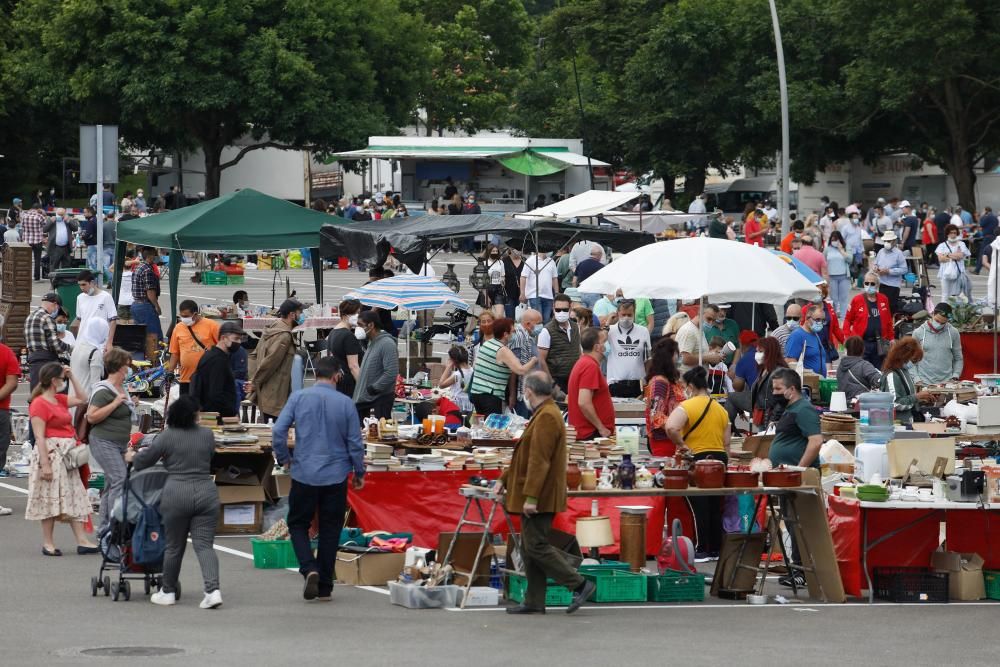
pixel 76 457
pixel 882 346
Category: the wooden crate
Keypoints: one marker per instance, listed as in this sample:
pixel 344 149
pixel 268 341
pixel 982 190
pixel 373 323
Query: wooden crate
pixel 14 314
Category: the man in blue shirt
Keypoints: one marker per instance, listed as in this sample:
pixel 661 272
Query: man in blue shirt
pixel 328 448
pixel 744 374
pixel 807 336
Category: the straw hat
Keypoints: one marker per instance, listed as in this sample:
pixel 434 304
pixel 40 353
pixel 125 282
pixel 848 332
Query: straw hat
pixel 889 236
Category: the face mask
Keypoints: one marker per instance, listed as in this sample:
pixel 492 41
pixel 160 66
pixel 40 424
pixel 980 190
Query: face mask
pixel 359 333
pixel 779 399
pixel 817 327
pixel 932 323
pixel 60 327
pixel 856 221
pixel 871 289
pixel 625 322
pixel 793 324
pixel 188 321
pixel 607 349
pixel 617 300
pixel 537 329
pixel 494 256
pixel 353 320
pixel 234 346
pixel 890 244
pixel 92 291
pixel 54 314
pixel 562 318
pixel 300 319
pixel 798 235
pixel 758 357
pixel 720 320
pixel 952 238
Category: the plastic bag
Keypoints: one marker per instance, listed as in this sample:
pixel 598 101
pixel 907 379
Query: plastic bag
pixel 295 259
pixel 519 311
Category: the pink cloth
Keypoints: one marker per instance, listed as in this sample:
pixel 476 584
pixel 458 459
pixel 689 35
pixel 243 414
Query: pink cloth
pixel 812 258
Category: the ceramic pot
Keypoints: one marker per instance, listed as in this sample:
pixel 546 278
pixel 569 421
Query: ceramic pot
pixel 741 479
pixel 675 478
pixel 573 476
pixel 588 479
pixel 709 474
pixel 626 472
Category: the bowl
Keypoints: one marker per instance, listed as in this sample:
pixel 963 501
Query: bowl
pixel 756 599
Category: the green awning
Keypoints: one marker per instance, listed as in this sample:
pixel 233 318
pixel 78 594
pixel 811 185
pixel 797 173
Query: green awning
pixel 531 163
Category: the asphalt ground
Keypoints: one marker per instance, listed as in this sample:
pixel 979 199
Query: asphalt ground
pixel 48 617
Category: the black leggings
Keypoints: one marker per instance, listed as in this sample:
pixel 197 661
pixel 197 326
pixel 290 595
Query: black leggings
pixel 487 404
pixel 708 512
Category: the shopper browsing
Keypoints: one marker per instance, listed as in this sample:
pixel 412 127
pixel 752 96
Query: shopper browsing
pixel 376 388
pixel 591 411
pixel 629 349
pixel 559 343
pixel 95 302
pixel 191 338
pixel 213 384
pixel 272 379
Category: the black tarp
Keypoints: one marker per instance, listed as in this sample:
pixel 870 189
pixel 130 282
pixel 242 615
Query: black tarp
pixel 409 239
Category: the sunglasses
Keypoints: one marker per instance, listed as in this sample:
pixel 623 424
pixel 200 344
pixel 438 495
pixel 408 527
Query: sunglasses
pixel 560 310
pixel 871 284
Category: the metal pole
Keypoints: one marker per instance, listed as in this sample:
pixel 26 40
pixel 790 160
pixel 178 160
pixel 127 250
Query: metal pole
pixel 100 205
pixel 583 129
pixel 783 209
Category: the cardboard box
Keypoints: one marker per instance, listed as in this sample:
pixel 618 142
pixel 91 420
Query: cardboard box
pixel 463 556
pixel 278 486
pixel 925 450
pixel 369 569
pixel 965 574
pixel 242 510
pixel 482 596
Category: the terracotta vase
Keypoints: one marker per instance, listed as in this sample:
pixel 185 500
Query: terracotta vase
pixel 573 476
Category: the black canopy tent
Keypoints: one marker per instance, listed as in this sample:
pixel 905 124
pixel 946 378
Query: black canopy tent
pixel 410 239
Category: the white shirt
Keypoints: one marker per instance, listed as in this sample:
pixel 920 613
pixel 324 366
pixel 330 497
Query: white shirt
pixel 956 220
pixel 62 233
pixel 688 338
pixel 496 271
pixel 100 305
pixel 581 251
pixel 771 213
pixel 698 207
pixel 545 339
pixel 125 297
pixel 12 235
pixel 540 286
pixel 629 351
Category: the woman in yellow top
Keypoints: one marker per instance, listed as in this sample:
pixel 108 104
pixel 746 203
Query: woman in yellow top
pixel 700 426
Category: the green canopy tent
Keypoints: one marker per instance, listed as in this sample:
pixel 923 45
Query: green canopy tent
pixel 243 222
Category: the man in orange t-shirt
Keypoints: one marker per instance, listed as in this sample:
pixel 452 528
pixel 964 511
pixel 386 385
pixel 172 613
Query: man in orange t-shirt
pixel 786 243
pixel 191 337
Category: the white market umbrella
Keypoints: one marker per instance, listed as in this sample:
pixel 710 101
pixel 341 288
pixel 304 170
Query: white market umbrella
pixel 701 267
pixel 651 222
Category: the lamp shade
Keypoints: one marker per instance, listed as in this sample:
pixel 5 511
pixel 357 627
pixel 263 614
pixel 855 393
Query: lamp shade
pixel 594 531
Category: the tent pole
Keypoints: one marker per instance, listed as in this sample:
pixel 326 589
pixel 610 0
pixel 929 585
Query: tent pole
pixel 995 271
pixel 119 264
pixel 317 267
pixel 175 276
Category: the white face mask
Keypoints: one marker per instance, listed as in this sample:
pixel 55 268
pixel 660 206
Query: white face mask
pixel 758 357
pixel 625 322
pixel 562 318
pixel 353 320
pixel 359 333
pixel 188 321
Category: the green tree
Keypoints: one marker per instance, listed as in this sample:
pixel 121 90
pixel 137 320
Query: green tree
pixel 316 74
pixel 477 50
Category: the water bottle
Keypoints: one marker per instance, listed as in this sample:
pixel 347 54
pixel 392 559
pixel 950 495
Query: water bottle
pixel 876 416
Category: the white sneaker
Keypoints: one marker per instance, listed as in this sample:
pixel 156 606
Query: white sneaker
pixel 5 511
pixel 212 600
pixel 164 599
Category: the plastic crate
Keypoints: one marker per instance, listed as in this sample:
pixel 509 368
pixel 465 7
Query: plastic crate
pixel 617 586
pixel 910 584
pixel 674 586
pixel 96 481
pixel 214 278
pixel 273 554
pixel 555 596
pixel 236 279
pixel 605 566
pixel 992 580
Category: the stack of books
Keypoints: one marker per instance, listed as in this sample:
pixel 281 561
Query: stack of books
pixel 426 462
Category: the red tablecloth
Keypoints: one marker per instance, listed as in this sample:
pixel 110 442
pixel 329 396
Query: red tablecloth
pixel 428 503
pixel 977 352
pixel 967 531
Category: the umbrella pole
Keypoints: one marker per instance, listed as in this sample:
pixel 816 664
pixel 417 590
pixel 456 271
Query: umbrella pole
pixel 701 329
pixel 995 272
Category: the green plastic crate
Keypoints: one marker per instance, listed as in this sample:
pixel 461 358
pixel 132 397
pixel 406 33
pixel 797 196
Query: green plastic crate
pixel 96 481
pixel 992 579
pixel 676 586
pixel 826 388
pixel 555 596
pixel 617 586
pixel 605 566
pixel 236 279
pixel 273 554
pixel 213 278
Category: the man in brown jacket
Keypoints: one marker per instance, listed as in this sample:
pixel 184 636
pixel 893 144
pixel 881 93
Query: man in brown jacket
pixel 272 379
pixel 536 489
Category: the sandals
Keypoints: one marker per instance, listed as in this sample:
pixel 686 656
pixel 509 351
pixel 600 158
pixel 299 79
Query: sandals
pixel 54 552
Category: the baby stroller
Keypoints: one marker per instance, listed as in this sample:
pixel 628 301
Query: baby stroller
pixel 140 493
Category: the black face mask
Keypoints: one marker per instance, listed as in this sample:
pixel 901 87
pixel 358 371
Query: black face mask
pixel 779 399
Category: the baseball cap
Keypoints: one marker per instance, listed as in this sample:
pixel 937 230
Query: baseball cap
pixel 231 328
pixel 747 337
pixel 289 306
pixel 905 204
pixel 17 200
pixel 943 308
pixel 52 297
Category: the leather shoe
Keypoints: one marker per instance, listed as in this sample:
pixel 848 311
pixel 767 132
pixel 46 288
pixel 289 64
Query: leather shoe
pixel 581 595
pixel 53 552
pixel 83 551
pixel 524 609
pixel 311 588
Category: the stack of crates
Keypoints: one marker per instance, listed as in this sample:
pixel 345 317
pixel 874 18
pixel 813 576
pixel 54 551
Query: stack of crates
pixel 15 298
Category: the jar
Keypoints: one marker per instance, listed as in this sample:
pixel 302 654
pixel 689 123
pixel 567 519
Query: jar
pixel 573 476
pixel 588 479
pixel 709 474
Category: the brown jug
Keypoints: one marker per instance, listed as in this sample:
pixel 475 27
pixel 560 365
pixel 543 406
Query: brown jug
pixel 573 476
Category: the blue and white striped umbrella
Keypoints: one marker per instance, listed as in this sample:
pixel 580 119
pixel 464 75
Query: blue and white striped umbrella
pixel 407 291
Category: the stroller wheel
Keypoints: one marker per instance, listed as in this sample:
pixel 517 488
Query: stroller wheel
pixel 107 586
pixel 126 591
pixel 94 585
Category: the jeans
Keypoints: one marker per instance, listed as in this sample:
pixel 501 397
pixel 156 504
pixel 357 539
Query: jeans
pixel 891 293
pixel 542 560
pixel 840 292
pixel 509 308
pixel 4 437
pixel 36 256
pixel 110 456
pixel 92 259
pixel 144 313
pixel 542 305
pixel 329 503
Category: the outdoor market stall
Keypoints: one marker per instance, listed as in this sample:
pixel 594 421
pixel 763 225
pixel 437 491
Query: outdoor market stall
pixel 246 221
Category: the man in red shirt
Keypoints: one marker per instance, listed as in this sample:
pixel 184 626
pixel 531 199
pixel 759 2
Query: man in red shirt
pixel 10 371
pixel 591 411
pixel 753 230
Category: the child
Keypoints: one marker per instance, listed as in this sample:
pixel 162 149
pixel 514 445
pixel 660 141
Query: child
pixel 457 374
pixel 718 375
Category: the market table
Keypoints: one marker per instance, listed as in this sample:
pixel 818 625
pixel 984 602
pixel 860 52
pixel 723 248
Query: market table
pixel 905 534
pixel 261 323
pixel 428 503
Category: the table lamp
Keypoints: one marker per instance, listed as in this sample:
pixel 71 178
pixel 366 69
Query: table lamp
pixel 593 532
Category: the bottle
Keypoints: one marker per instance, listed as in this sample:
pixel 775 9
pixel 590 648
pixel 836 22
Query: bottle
pixel 372 422
pixel 875 417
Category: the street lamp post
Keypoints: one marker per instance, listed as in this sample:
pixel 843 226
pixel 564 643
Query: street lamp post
pixel 783 203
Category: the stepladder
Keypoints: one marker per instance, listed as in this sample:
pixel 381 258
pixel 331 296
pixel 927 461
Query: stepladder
pixel 478 516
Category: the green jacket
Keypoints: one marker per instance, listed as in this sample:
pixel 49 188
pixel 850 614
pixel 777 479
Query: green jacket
pixel 904 393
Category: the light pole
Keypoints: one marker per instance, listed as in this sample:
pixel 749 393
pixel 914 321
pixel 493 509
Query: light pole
pixel 783 207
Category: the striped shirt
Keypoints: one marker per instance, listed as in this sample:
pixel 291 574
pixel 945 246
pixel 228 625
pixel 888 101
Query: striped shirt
pixel 489 375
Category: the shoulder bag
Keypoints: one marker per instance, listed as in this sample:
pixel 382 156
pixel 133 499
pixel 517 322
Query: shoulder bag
pixel 700 419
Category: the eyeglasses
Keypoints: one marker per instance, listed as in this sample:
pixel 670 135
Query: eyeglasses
pixel 560 310
pixel 871 284
pixel 820 320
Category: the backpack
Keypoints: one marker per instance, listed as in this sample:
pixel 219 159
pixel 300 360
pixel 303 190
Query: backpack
pixel 148 542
